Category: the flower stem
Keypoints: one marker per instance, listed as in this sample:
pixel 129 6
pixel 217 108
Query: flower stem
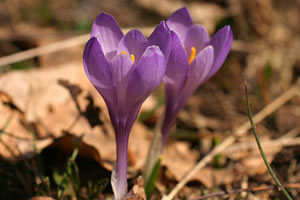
pixel 151 182
pixel 280 186
pixel 119 174
pixel 155 151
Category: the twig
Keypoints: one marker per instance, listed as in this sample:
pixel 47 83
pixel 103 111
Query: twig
pixel 277 103
pixel 34 52
pixel 77 41
pixel 282 141
pixel 56 46
pixel 268 144
pixel 254 189
pixel 280 186
pixel 2 130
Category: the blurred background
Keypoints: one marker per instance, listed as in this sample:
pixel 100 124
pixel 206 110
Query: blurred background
pixel 41 95
pixel 262 24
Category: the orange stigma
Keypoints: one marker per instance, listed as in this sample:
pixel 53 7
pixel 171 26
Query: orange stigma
pixel 131 55
pixel 192 55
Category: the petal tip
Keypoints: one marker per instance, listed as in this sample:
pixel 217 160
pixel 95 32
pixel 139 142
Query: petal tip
pixel 182 14
pixel 209 48
pixel 88 47
pixel 164 25
pixel 208 52
pixel 108 32
pixel 182 10
pixel 135 31
pixel 104 16
pixel 226 30
pixel 154 49
pixel 180 21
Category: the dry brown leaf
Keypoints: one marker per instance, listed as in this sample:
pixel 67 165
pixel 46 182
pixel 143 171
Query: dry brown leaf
pixel 42 198
pixel 179 158
pixel 14 133
pixel 58 101
pixel 288 117
pixel 68 143
pixel 137 192
pixel 211 177
pixel 251 160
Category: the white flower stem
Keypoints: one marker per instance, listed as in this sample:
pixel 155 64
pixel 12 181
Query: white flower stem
pixel 155 150
pixel 119 174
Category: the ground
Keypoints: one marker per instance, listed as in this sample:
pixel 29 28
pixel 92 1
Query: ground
pixel 50 112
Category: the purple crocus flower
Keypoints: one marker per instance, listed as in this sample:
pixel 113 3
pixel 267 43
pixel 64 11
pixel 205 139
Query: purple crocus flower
pixel 124 69
pixel 192 60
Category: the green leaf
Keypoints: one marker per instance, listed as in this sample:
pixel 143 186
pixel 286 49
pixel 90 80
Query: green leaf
pixel 151 183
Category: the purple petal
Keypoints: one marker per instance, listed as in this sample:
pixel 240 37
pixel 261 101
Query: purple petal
pixel 98 71
pixel 199 70
pixel 221 42
pixel 146 77
pixel 197 37
pixel 95 64
pixel 179 22
pixel 134 42
pixel 177 71
pixel 161 37
pixel 108 32
pixel 121 67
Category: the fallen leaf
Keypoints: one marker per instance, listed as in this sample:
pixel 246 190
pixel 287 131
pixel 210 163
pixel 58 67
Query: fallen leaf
pixel 42 198
pixel 137 192
pixel 251 159
pixel 61 100
pixel 211 177
pixel 179 158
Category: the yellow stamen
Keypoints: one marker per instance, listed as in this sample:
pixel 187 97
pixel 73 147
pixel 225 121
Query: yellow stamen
pixel 132 57
pixel 192 55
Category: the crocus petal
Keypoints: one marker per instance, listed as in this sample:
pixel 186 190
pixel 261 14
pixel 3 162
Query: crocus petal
pixel 121 67
pixel 177 71
pixel 197 37
pixel 98 71
pixel 146 76
pixel 134 42
pixel 179 22
pixel 199 70
pixel 161 37
pixel 221 42
pixel 108 32
pixel 95 64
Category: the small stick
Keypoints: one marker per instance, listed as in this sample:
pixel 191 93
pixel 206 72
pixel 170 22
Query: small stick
pixel 277 103
pixel 56 46
pixel 254 189
pixel 285 140
pixel 77 41
pixel 280 186
pixel 34 52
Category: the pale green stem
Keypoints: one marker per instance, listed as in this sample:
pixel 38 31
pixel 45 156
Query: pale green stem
pixel 280 186
pixel 155 150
